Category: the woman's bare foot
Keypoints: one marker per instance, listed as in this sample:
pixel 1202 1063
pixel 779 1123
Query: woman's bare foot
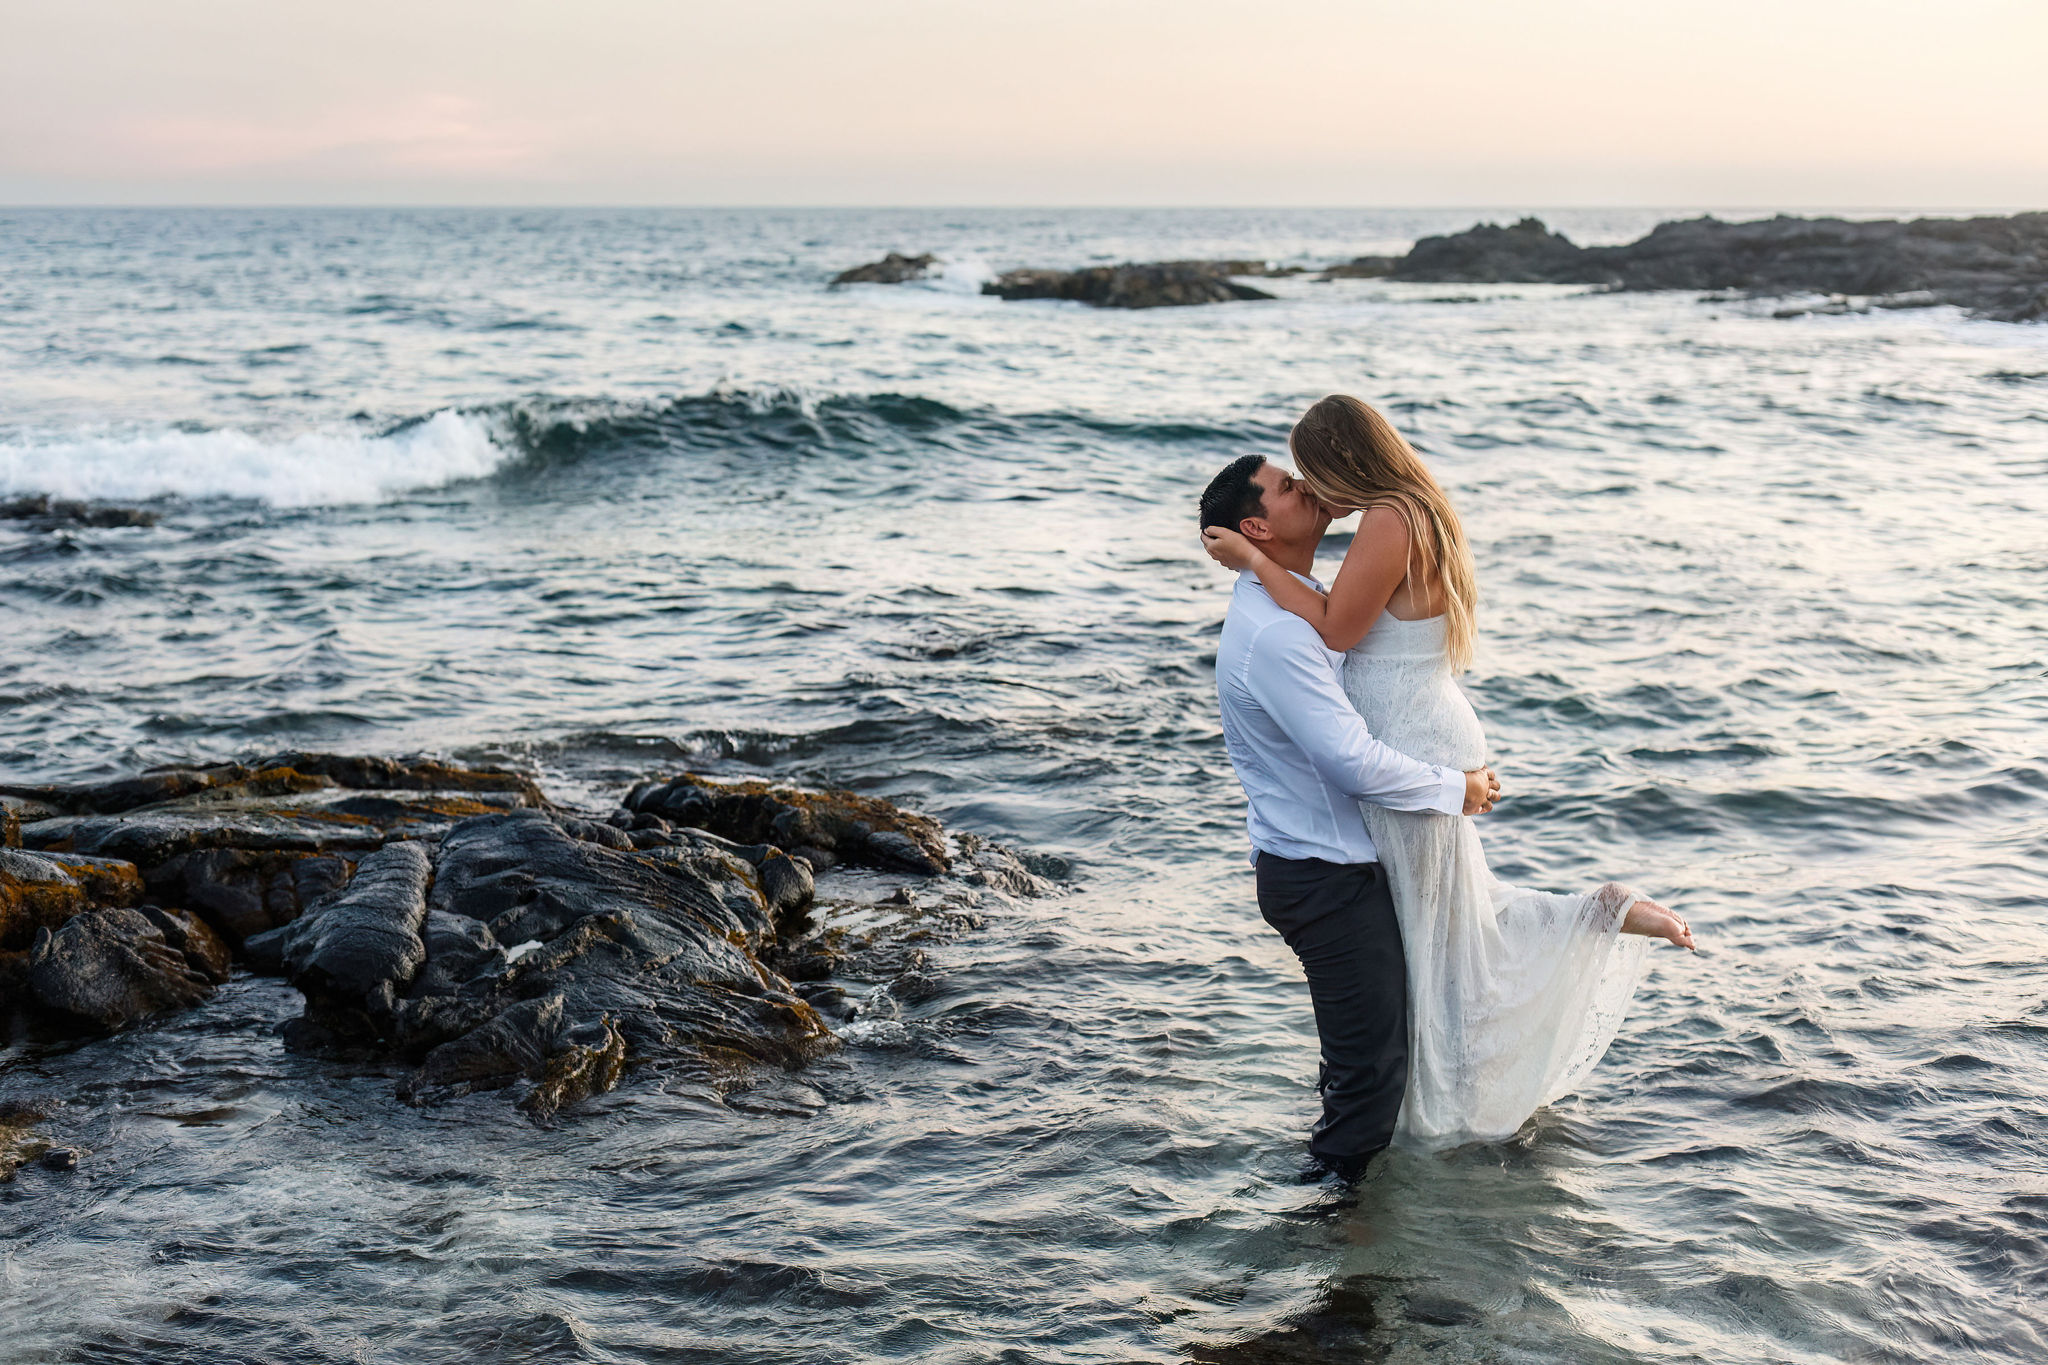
pixel 1652 920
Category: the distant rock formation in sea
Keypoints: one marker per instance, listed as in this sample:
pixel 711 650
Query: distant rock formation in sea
pixel 1360 268
pixel 1162 284
pixel 1996 267
pixel 893 268
pixel 48 513
pixel 1168 284
pixel 456 919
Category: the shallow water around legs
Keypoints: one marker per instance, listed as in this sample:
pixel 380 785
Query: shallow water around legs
pixel 612 494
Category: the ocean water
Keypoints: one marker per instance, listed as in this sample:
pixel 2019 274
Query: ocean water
pixel 611 493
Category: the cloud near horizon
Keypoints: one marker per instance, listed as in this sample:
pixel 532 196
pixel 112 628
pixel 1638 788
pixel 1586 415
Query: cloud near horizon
pixel 428 135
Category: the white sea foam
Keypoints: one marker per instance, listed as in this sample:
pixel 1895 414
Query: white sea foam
pixel 964 275
pixel 319 468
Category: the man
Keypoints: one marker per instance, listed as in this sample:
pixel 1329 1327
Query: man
pixel 1306 760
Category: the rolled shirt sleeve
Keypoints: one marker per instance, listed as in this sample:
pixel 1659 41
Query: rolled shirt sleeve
pixel 1291 678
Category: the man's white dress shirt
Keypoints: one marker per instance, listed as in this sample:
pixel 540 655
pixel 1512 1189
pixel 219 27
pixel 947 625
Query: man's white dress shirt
pixel 1302 754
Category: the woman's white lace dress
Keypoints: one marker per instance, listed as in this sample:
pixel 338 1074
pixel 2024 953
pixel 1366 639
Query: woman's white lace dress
pixel 1513 995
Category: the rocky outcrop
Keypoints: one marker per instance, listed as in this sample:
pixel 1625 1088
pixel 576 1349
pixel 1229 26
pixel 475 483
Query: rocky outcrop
pixel 1168 284
pixel 279 775
pixel 1527 252
pixel 20 1143
pixel 1163 284
pixel 825 828
pixel 456 921
pixel 50 514
pixel 891 269
pixel 206 857
pixel 364 943
pixel 36 893
pixel 248 846
pixel 1360 268
pixel 112 967
pixel 1997 267
pixel 661 946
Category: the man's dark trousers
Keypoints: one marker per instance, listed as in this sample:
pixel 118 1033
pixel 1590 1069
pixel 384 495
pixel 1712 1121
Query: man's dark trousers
pixel 1339 919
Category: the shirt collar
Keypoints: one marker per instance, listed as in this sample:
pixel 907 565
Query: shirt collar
pixel 1244 574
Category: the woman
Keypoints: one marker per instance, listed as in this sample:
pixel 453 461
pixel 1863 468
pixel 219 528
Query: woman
pixel 1514 994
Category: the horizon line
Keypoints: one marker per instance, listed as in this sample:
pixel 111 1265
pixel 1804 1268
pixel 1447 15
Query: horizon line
pixel 1503 205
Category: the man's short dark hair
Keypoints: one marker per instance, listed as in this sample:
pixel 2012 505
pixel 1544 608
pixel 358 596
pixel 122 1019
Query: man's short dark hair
pixel 1232 496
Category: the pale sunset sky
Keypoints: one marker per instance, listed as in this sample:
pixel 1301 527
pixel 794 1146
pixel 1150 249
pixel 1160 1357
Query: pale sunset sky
pixel 1048 102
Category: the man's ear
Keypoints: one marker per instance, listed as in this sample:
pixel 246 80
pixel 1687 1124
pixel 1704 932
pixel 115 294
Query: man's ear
pixel 1255 528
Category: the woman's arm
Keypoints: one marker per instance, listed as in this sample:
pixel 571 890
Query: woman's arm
pixel 1373 568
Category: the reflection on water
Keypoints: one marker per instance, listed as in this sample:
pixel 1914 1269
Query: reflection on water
pixel 1762 631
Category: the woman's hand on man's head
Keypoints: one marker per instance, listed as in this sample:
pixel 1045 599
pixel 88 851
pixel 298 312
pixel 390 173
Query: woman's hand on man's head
pixel 1228 548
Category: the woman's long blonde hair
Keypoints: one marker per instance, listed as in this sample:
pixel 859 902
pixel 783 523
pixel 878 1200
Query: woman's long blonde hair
pixel 1351 456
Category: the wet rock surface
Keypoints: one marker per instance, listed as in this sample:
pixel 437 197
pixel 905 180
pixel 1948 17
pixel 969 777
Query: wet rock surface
pixel 1360 268
pixel 843 826
pixel 362 944
pixel 1997 267
pixel 249 846
pixel 112 967
pixel 1168 284
pixel 49 514
pixel 35 893
pixel 20 1143
pixel 455 921
pixel 893 268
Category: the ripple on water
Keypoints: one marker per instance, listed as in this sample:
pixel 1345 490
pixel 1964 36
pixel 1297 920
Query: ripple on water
pixel 1761 633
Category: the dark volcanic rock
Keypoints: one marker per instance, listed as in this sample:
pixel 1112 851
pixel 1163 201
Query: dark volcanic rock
pixel 112 967
pixel 854 828
pixel 586 1060
pixel 325 819
pixel 1361 268
pixel 516 1042
pixel 2020 305
pixel 460 922
pixel 124 793
pixel 410 774
pixel 367 931
pixel 533 1041
pixel 459 950
pixel 1995 266
pixel 19 1142
pixel 206 952
pixel 786 884
pixel 891 269
pixel 1489 254
pixel 611 951
pixel 107 881
pixel 51 513
pixel 278 776
pixel 35 894
pixel 1168 284
pixel 250 846
pixel 357 950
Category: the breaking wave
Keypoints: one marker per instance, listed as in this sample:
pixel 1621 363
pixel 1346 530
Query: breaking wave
pixel 338 467
pixel 318 468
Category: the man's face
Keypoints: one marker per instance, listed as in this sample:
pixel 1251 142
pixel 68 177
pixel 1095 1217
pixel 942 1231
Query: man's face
pixel 1292 517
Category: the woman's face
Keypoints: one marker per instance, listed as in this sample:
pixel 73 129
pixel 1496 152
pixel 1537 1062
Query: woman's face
pixel 1333 510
